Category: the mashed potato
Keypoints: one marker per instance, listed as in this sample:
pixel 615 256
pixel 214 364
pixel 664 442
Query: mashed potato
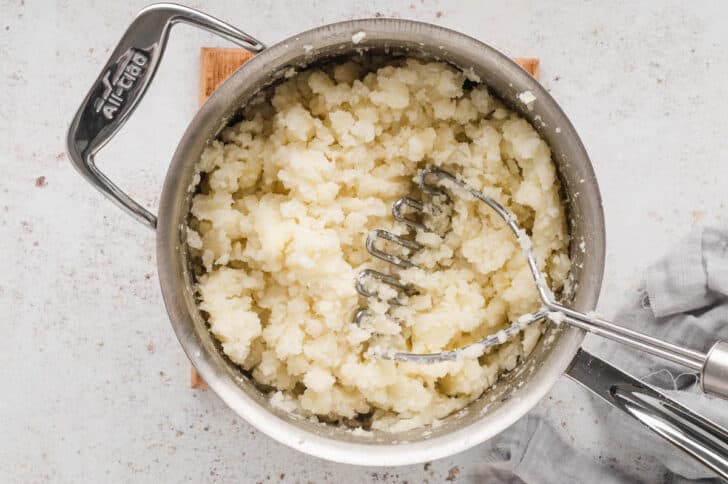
pixel 279 223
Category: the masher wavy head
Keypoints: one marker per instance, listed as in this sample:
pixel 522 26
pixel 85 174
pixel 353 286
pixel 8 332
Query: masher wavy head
pixel 437 182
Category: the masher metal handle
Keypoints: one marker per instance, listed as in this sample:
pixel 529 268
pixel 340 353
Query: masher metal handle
pixel 122 84
pixel 712 366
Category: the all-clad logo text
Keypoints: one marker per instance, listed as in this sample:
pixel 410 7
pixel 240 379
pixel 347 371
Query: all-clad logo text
pixel 119 80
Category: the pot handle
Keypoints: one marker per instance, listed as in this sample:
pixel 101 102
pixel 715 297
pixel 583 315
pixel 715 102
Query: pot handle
pixel 703 439
pixel 122 84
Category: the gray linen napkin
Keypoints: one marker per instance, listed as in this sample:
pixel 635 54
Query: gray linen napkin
pixel 683 298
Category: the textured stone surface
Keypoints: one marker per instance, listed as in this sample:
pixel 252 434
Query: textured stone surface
pixel 95 385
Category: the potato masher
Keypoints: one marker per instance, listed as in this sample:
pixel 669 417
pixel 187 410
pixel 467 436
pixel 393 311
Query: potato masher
pixel 712 366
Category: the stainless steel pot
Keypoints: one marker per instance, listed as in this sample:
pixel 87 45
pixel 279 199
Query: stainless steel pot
pixel 122 84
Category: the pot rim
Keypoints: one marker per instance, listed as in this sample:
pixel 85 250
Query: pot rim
pixel 207 362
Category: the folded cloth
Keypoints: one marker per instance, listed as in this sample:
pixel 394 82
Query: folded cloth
pixel 683 298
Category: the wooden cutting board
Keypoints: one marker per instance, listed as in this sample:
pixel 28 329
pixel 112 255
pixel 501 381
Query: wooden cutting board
pixel 216 65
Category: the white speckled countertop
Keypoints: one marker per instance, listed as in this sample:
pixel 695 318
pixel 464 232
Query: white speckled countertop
pixel 94 381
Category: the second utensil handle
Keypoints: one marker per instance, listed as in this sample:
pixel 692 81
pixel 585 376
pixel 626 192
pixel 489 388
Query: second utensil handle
pixel 703 439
